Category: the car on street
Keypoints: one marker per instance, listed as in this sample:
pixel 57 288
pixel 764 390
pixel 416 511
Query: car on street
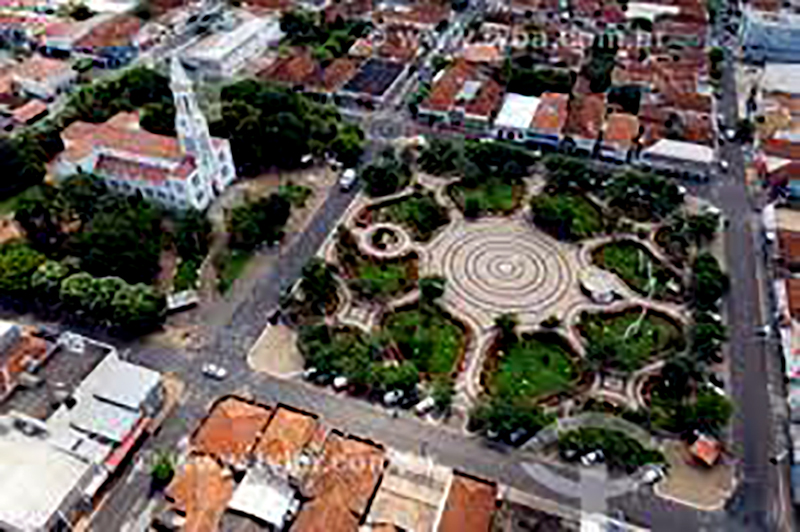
pixel 723 165
pixel 763 330
pixel 730 134
pixel 214 371
pixel 348 179
pixel 652 473
pixel 340 383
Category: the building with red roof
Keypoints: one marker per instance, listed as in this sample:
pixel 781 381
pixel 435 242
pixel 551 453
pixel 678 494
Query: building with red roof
pixel 619 133
pixel 113 42
pixel 585 120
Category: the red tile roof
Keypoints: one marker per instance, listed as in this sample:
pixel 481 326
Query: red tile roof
pixel 401 42
pixel 469 506
pixel 15 359
pixel 347 9
pixel 706 449
pixel 551 114
pixel 418 14
pixel 621 129
pixel 202 490
pixel 118 31
pixel 40 68
pixel 286 436
pixel 297 69
pixel 586 114
pixel 231 429
pixel 342 485
pixel 793 293
pixel 339 72
pixel 789 246
pixel 29 111
pixel 127 169
pixel 445 91
pixel 783 148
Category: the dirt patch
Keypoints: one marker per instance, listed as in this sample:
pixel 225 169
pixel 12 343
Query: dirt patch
pixel 692 483
pixel 276 351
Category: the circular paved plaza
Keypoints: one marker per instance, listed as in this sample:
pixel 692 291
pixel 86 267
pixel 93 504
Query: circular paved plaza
pixel 500 266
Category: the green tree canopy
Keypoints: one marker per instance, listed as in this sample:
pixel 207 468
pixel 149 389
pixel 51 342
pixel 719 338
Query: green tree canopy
pixel 18 263
pixel 158 118
pixel 386 175
pixel 259 222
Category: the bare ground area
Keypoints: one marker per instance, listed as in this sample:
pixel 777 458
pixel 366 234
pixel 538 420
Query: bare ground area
pixel 276 351
pixel 693 484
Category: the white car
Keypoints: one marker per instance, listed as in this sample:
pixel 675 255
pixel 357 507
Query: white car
pixel 723 164
pixel 348 179
pixel 652 474
pixel 730 134
pixel 214 371
pixel 390 398
pixel 763 330
pixel 340 383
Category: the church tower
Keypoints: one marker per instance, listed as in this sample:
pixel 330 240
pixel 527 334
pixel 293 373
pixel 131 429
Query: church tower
pixel 191 125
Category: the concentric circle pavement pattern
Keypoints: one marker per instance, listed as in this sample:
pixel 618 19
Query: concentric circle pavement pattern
pixel 504 268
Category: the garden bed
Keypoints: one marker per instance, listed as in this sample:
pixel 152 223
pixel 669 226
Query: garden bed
pixel 371 278
pixel 609 348
pixel 429 337
pixel 629 260
pixel 492 196
pixel 534 367
pixel 419 213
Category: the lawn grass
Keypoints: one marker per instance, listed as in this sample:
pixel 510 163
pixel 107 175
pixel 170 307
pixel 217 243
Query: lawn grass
pixel 533 368
pixel 608 345
pixel 623 258
pixel 384 278
pixel 230 267
pixel 428 338
pixel 421 215
pixel 490 196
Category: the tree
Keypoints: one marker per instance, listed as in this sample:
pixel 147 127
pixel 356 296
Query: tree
pixel 431 289
pixel 318 285
pixel 348 145
pixel 18 262
pixel 626 97
pixel 564 172
pixel 442 392
pixel 710 283
pixel 403 377
pixel 702 227
pixel 158 118
pixel 440 156
pixel 502 417
pixel 80 11
pixel 386 175
pixel 259 222
pixel 123 240
pixel 710 413
pixel 136 307
pixel 163 468
pixel 506 325
pixel 46 280
pixel 77 292
pixel 22 163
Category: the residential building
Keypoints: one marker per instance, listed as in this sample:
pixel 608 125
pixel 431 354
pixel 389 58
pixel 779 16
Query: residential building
pixel 770 37
pixel 462 96
pixel 469 506
pixel 231 430
pixel 549 120
pixel 20 351
pixel 374 83
pixel 52 468
pixel 620 131
pixel 43 77
pixel 186 172
pixel 678 157
pixel 224 53
pixel 200 492
pixel 585 118
pixel 112 43
pixel 516 116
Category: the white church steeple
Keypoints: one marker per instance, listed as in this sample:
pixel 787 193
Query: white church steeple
pixel 191 125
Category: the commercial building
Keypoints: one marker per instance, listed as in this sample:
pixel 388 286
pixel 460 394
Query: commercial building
pixel 373 83
pixel 224 53
pixel 186 172
pixel 677 157
pixel 50 469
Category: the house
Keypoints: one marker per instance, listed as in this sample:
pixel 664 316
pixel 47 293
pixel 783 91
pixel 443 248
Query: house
pixel 52 468
pixel 186 172
pixel 285 438
pixel 620 131
pixel 20 350
pixel 789 251
pixel 231 430
pixel 43 77
pixel 462 96
pixel 224 53
pixel 341 487
pixel 374 82
pixel 549 120
pixel 201 491
pixel 112 43
pixel 678 157
pixel 469 506
pixel 585 118
pixel 422 15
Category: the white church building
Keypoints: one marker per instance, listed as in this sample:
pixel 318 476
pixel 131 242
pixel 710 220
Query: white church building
pixel 181 173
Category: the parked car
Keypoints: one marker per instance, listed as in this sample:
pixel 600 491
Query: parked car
pixel 213 371
pixel 340 383
pixel 425 406
pixel 392 397
pixel 652 474
pixel 763 330
pixel 348 179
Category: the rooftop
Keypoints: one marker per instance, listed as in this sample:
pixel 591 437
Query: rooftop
pixel 39 68
pixel 127 169
pixel 551 114
pixel 201 489
pixel 470 505
pixel 517 111
pixel 789 246
pixel 286 435
pixel 342 485
pixel 375 77
pixel 219 45
pixel 585 116
pixel 117 31
pixel 264 496
pixel 231 429
pixel 28 111
pixel 35 478
pixel 687 151
pixel 621 129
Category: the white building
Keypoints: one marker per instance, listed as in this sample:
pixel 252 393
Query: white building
pixel 516 116
pixel 773 37
pixel 679 157
pixel 223 54
pixel 50 468
pixel 186 172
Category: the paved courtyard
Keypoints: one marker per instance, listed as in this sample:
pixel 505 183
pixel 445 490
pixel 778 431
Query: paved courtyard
pixel 500 265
